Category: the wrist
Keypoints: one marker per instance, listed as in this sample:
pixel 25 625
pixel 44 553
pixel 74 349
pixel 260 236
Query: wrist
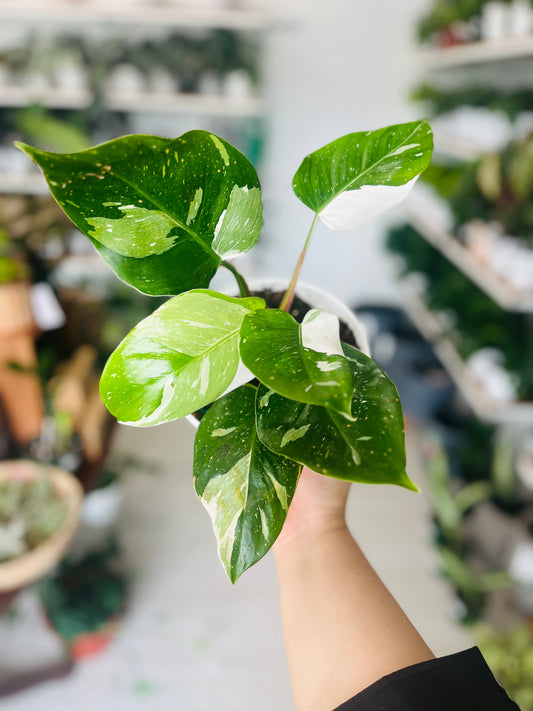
pixel 311 530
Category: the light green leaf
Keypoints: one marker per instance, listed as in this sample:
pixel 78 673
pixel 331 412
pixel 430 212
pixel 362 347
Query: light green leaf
pixel 352 180
pixel 162 212
pixel 177 360
pixel 245 487
pixel 271 348
pixel 366 447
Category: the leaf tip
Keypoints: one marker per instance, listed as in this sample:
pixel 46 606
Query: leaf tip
pixel 408 483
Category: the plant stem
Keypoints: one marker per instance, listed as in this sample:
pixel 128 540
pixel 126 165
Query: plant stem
pixel 286 302
pixel 243 286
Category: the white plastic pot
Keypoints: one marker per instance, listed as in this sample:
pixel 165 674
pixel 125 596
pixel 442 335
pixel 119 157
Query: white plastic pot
pixel 317 299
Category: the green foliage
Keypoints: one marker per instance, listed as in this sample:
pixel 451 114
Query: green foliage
pixel 30 512
pixel 511 103
pixel 444 13
pixel 365 446
pixel 84 594
pixel 510 657
pixel 477 321
pixel 335 181
pixel 165 214
pixel 245 487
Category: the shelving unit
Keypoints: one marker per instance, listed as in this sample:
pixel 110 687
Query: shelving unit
pixel 144 101
pixel 481 403
pixel 477 53
pixel 59 16
pixel 504 294
pixel 185 104
pixel 32 12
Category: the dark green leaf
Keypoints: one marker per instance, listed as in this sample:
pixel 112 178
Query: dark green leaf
pixel 162 212
pixel 351 180
pixel 271 347
pixel 367 447
pixel 245 487
pixel 177 360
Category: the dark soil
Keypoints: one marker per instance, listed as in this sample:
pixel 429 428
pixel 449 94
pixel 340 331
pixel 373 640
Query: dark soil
pixel 299 309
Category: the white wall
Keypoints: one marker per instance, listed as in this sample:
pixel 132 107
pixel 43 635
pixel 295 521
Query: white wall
pixel 332 67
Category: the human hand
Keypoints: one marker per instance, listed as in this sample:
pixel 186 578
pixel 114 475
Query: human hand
pixel 318 505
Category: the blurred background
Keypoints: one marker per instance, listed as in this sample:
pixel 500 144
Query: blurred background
pixel 138 614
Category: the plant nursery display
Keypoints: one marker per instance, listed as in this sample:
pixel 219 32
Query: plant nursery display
pixel 166 214
pixel 39 512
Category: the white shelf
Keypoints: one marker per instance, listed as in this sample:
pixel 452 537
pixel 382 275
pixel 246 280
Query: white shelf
pixel 45 96
pixel 504 294
pixel 169 15
pixel 134 102
pixel 476 53
pixel 200 104
pixel 481 403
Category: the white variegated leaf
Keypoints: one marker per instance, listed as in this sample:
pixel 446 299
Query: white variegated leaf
pixel 354 208
pixel 177 360
pixel 245 487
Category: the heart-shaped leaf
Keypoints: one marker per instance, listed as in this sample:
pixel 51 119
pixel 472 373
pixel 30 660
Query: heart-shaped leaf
pixel 162 212
pixel 367 447
pixel 271 347
pixel 245 487
pixel 351 180
pixel 177 360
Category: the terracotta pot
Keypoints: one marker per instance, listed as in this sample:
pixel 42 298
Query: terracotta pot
pixel 16 315
pixel 30 566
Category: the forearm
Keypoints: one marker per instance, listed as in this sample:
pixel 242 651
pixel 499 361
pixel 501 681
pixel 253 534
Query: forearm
pixel 343 629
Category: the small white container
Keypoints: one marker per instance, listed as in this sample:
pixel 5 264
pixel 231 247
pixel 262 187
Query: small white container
pixel 101 507
pixel 494 21
pixel 520 18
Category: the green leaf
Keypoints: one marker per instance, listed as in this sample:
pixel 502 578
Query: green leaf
pixel 162 212
pixel 245 487
pixel 271 347
pixel 351 180
pixel 177 360
pixel 367 447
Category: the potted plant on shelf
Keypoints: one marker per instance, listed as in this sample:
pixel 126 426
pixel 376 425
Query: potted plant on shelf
pixel 85 600
pixel 39 511
pixel 166 214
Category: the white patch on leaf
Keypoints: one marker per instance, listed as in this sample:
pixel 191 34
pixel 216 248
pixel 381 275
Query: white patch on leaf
pixel 403 149
pixel 294 434
pixel 354 208
pixel 320 332
pixel 220 432
pixel 264 524
pixel 204 375
pixel 326 367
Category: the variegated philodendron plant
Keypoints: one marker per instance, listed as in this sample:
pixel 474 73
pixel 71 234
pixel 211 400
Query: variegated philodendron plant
pixel 166 214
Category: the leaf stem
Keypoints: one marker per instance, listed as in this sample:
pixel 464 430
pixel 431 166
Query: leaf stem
pixel 243 286
pixel 288 297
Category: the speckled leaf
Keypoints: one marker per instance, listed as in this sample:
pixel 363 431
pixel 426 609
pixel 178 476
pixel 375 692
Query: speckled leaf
pixel 162 212
pixel 177 360
pixel 271 347
pixel 245 487
pixel 351 180
pixel 366 447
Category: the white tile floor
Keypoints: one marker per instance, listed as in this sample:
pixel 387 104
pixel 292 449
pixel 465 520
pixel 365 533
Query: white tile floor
pixel 191 641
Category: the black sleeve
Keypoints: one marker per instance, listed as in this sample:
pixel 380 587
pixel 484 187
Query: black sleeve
pixel 459 682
